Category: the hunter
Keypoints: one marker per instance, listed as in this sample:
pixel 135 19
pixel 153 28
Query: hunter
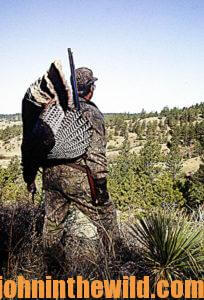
pixel 68 183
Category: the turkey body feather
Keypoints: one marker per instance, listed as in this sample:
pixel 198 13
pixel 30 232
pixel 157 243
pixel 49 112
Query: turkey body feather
pixel 72 136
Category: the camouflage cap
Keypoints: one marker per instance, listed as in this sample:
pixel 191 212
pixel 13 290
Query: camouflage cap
pixel 84 78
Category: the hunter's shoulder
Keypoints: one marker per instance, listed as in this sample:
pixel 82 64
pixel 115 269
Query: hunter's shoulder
pixel 90 110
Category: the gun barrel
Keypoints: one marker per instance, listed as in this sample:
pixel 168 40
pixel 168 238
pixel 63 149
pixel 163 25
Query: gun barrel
pixel 73 80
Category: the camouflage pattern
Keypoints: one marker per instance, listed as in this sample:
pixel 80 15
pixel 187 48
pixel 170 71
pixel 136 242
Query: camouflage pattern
pixel 84 77
pixel 66 187
pixel 96 153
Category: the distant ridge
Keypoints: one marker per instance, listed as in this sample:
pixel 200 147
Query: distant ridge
pixel 199 107
pixel 10 117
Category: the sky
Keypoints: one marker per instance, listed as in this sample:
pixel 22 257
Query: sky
pixel 146 53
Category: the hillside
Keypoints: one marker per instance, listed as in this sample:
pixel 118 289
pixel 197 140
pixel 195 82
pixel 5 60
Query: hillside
pixel 183 126
pixel 156 176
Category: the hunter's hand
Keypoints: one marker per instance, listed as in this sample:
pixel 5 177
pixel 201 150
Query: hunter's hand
pixel 32 187
pixel 102 195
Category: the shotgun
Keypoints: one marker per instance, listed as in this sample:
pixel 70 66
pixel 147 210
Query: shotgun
pixel 73 80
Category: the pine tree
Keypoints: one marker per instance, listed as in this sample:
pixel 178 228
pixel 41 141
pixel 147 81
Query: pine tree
pixel 125 145
pixel 174 161
pixel 150 157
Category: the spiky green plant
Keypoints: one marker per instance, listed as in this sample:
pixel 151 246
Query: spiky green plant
pixel 171 245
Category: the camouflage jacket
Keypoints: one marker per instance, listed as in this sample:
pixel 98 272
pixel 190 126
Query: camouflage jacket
pixel 96 152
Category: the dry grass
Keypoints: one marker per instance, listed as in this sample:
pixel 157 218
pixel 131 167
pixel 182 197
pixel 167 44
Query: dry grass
pixel 20 239
pixel 191 165
pixel 21 250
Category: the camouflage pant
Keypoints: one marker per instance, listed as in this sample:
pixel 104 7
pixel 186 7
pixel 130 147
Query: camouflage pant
pixel 66 187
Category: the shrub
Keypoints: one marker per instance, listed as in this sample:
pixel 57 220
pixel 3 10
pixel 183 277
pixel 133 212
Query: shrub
pixel 10 132
pixel 171 245
pixel 12 186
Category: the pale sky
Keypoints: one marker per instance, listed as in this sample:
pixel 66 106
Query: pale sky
pixel 145 53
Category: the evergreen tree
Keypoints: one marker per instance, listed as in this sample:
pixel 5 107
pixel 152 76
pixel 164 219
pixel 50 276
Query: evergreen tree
pixel 123 129
pixel 165 111
pixel 150 157
pixel 174 161
pixel 125 145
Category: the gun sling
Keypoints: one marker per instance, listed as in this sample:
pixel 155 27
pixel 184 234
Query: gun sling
pixel 86 169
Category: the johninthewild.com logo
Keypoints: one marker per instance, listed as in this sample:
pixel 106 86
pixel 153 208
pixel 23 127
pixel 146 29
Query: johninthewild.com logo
pixel 79 288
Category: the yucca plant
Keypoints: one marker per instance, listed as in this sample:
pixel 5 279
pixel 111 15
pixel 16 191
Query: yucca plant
pixel 171 245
